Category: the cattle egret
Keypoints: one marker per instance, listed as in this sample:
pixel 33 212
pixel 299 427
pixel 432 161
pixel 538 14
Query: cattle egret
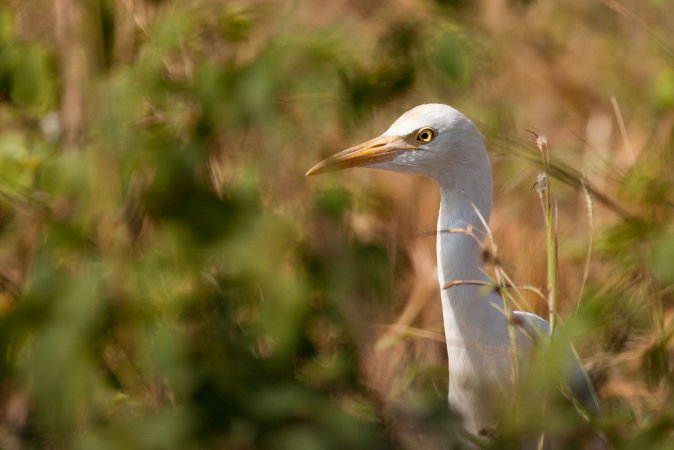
pixel 438 141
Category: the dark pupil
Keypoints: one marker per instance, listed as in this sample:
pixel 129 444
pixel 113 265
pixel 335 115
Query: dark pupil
pixel 424 136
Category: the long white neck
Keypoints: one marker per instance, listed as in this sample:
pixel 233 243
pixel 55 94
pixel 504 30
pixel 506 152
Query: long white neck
pixel 466 309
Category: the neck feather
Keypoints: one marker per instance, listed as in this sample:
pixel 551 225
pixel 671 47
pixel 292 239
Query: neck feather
pixel 459 255
pixel 466 308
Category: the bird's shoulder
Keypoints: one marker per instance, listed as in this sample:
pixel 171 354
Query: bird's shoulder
pixel 577 378
pixel 534 326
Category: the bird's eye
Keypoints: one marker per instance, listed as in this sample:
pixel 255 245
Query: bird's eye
pixel 425 135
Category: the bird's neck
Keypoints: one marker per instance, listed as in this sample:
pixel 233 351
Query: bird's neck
pixel 460 231
pixel 466 308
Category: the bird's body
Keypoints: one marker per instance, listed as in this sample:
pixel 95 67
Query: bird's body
pixel 438 141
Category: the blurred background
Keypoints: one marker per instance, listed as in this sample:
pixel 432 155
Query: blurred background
pixel 170 279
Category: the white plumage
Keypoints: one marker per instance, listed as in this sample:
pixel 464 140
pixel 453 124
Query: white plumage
pixel 438 141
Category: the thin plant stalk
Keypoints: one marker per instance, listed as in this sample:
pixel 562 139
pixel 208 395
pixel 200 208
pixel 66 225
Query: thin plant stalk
pixel 544 186
pixel 491 256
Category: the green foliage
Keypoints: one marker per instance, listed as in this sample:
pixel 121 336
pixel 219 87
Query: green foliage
pixel 662 257
pixel 165 307
pixel 453 57
pixel 29 77
pixel 663 90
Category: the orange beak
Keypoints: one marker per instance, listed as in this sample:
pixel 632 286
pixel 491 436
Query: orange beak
pixel 377 150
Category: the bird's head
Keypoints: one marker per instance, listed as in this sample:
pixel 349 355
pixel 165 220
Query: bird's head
pixel 431 139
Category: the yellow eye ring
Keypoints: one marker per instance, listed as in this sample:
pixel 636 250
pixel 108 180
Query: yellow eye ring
pixel 425 135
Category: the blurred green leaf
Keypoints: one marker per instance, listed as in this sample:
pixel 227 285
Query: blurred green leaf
pixel 663 89
pixel 31 76
pixel 452 55
pixel 662 258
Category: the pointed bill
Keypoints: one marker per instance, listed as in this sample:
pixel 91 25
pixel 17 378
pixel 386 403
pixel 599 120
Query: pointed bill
pixel 377 150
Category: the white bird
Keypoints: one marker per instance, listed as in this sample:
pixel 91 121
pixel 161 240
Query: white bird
pixel 438 141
